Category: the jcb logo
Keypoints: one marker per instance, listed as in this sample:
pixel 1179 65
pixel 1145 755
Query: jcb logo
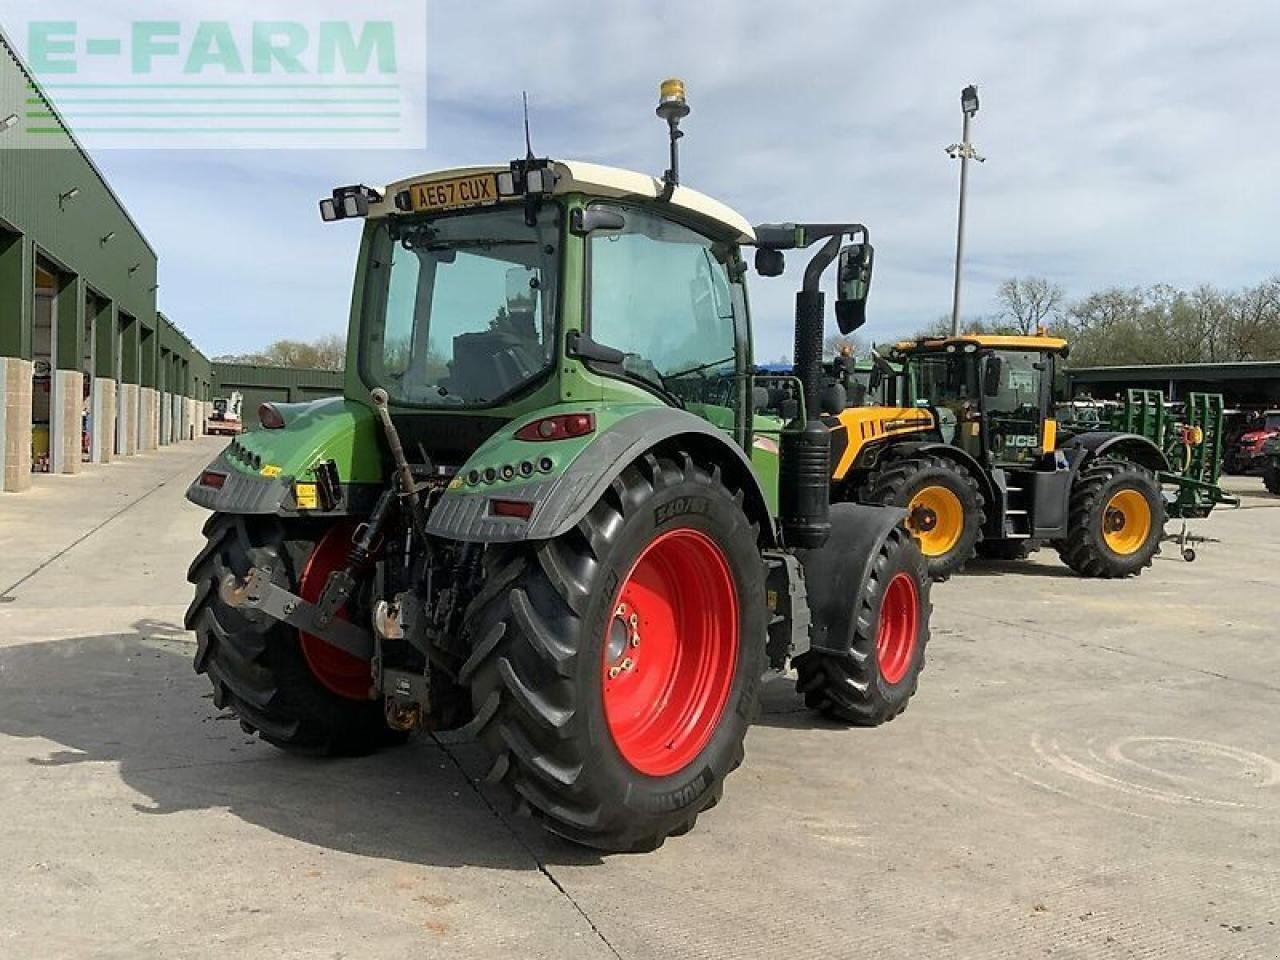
pixel 1022 440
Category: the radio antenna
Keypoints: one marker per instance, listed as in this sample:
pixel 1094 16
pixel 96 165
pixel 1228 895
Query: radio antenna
pixel 528 142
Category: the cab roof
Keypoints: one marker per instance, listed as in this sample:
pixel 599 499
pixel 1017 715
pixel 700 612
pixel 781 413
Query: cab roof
pixel 993 341
pixel 593 179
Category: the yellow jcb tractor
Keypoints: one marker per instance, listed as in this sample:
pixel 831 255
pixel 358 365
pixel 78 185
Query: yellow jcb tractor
pixel 970 448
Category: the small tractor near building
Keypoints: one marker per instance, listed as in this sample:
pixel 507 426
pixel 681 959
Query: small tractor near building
pixel 224 419
pixel 555 505
pixel 973 452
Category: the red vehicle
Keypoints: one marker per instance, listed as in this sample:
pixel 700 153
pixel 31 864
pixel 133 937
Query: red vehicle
pixel 1244 450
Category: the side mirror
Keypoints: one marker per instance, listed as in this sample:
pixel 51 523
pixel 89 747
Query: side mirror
pixel 991 375
pixel 770 263
pixel 853 283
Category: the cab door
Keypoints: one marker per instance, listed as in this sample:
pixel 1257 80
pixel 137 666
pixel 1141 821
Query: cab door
pixel 1014 394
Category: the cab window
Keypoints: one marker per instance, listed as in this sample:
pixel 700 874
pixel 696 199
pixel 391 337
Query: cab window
pixel 660 293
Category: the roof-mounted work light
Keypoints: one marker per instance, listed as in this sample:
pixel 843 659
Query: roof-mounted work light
pixel 672 107
pixel 348 202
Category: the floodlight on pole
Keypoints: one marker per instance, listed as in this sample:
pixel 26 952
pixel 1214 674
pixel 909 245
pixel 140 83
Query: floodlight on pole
pixel 964 152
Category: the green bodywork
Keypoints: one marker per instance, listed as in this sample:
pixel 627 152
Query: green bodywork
pixel 346 431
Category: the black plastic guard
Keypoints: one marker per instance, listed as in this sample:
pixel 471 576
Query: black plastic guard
pixel 836 574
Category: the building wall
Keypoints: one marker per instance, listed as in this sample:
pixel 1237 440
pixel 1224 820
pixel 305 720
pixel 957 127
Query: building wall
pixel 99 325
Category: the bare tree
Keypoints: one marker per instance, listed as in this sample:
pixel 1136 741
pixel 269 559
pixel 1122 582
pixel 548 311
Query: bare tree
pixel 326 353
pixel 1028 303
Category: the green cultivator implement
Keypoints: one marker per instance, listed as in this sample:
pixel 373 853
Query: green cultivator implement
pixel 1192 445
pixel 555 507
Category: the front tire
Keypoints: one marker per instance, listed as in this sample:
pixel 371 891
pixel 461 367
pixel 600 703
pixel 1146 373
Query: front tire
pixel 944 507
pixel 1115 521
pixel 615 669
pixel 889 629
pixel 263 670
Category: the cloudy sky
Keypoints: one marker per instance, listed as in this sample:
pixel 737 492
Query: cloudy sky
pixel 1128 142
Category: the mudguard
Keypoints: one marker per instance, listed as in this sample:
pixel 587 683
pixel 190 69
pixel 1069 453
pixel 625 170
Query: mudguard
pixel 261 469
pixel 1125 446
pixel 940 449
pixel 836 573
pixel 581 472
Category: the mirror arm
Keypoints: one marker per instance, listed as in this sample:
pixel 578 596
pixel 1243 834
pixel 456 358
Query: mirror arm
pixel 821 260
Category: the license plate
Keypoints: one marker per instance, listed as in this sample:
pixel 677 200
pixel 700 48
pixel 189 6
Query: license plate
pixel 477 190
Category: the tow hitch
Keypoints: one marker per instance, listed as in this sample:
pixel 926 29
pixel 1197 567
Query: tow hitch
pixel 257 592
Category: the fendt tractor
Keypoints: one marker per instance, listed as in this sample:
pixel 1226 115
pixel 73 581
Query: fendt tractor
pixel 971 449
pixel 555 505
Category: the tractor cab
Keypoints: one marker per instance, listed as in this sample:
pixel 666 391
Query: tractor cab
pixel 992 396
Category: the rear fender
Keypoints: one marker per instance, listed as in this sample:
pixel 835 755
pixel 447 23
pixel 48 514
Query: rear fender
pixel 261 470
pixel 1121 446
pixel 836 573
pixel 583 468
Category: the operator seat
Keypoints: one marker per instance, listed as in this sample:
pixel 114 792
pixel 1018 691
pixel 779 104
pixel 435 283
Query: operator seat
pixel 487 365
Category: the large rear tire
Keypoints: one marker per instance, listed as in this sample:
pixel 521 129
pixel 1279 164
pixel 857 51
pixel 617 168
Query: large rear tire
pixel 944 507
pixel 615 669
pixel 1115 522
pixel 889 627
pixel 293 691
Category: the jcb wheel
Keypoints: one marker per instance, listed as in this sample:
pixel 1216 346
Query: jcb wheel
pixel 616 668
pixel 1115 522
pixel 889 623
pixel 1271 477
pixel 944 507
pixel 295 691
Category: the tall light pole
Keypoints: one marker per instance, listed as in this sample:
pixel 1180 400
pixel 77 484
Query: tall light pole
pixel 965 152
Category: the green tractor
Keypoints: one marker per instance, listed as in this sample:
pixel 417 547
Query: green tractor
pixel 556 506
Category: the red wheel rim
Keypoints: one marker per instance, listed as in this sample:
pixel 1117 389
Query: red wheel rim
pixel 669 652
pixel 337 670
pixel 896 631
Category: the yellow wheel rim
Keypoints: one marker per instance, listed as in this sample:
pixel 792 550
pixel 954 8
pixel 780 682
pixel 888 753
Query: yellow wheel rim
pixel 935 517
pixel 1126 522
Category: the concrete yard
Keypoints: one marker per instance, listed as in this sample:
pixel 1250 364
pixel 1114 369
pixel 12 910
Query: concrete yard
pixel 1090 769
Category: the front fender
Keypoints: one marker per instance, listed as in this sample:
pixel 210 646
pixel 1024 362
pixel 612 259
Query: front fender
pixel 836 574
pixel 580 471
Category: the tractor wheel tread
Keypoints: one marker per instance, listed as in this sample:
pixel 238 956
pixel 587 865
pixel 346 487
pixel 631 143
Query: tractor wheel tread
pixel 849 688
pixel 1084 549
pixel 527 675
pixel 255 663
pixel 891 484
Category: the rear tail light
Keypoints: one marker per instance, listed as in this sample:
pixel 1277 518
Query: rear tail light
pixel 562 426
pixel 211 479
pixel 519 509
